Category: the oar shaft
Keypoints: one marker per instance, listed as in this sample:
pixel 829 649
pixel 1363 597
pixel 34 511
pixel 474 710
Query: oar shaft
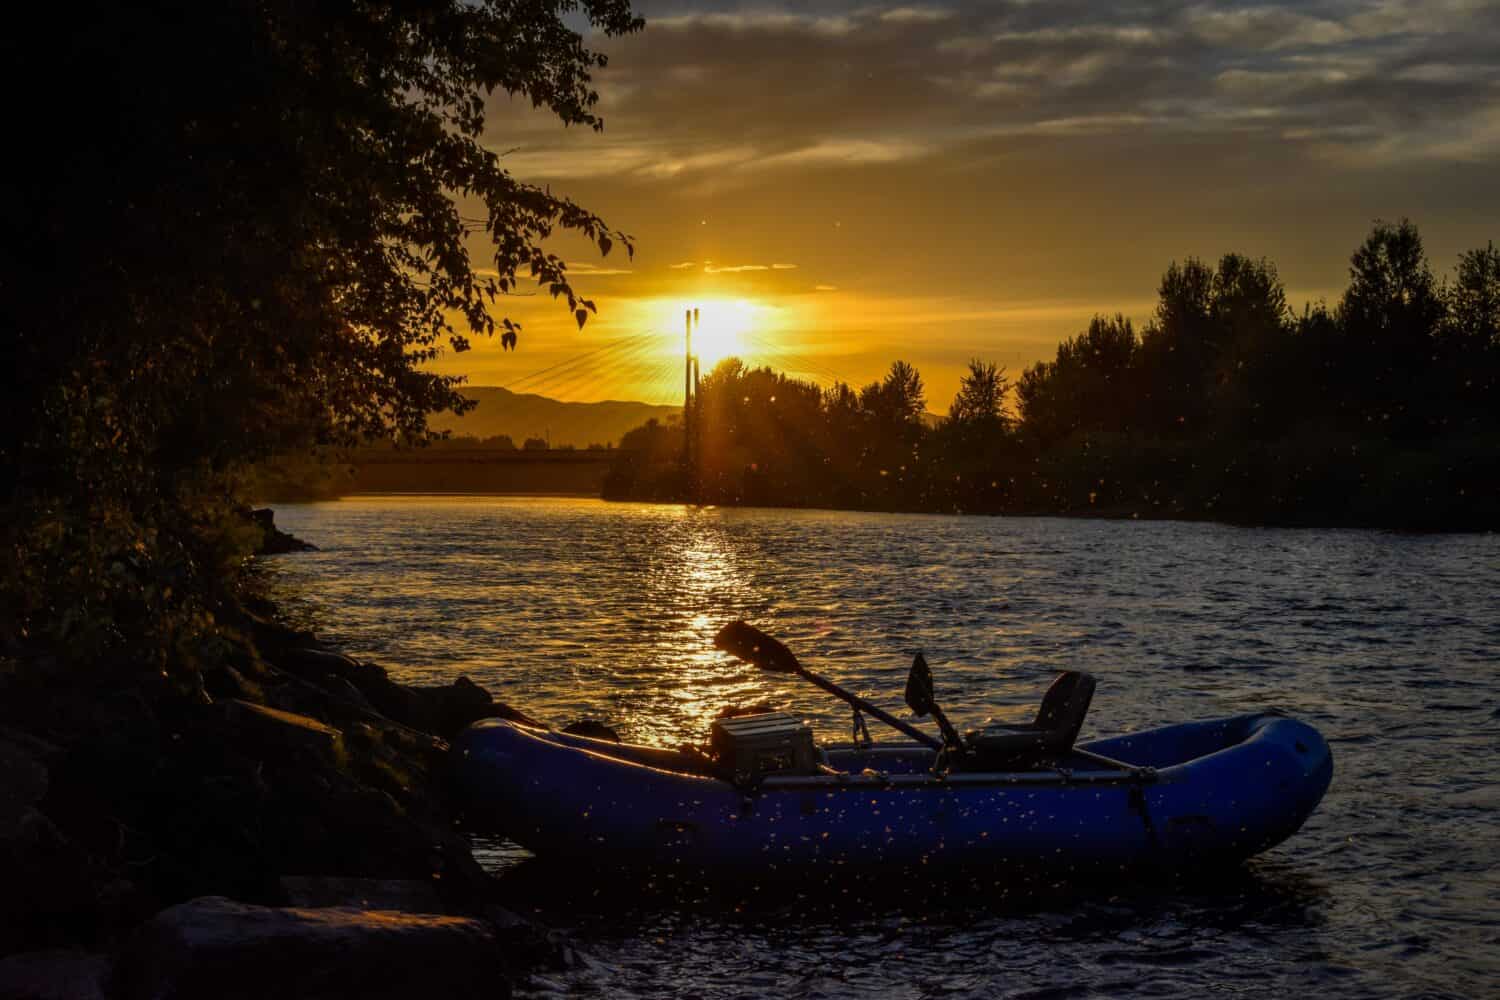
pixel 741 639
pixel 865 706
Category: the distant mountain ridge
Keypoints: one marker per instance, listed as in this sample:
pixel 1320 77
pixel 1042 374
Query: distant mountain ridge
pixel 523 415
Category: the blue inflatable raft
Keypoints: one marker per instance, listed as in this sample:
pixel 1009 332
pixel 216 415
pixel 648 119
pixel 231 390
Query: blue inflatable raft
pixel 762 798
pixel 1190 794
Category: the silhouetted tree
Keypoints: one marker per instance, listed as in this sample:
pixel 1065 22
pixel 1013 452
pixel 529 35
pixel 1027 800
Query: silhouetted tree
pixel 1391 292
pixel 647 465
pixel 1473 300
pixel 1469 337
pixel 1210 323
pixel 970 467
pixel 1230 406
pixel 1086 387
pixel 980 403
pixel 1177 347
pixel 248 230
pixel 1251 327
pixel 897 399
pixel 1390 316
pixel 759 436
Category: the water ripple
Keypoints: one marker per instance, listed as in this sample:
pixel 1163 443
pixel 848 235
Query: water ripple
pixel 575 609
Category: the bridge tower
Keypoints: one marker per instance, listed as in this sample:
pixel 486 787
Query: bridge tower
pixel 691 411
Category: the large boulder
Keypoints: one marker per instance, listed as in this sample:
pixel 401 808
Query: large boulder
pixel 441 709
pixel 46 880
pixel 215 947
pixel 273 731
pixel 59 974
pixel 407 895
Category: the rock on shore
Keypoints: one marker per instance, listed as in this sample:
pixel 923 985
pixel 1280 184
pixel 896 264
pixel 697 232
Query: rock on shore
pixel 287 766
pixel 273 540
pixel 216 947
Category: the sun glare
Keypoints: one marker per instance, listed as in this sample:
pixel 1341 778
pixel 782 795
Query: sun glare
pixel 723 326
pixel 728 327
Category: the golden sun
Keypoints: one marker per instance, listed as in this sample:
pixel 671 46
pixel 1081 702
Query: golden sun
pixel 723 325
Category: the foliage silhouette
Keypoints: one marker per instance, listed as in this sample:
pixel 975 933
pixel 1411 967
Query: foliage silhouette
pixel 980 403
pixel 244 235
pixel 1227 405
pixel 1088 385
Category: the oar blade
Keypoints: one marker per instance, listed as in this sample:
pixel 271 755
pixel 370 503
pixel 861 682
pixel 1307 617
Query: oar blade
pixel 919 689
pixel 745 641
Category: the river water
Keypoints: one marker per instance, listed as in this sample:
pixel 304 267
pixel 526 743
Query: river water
pixel 574 609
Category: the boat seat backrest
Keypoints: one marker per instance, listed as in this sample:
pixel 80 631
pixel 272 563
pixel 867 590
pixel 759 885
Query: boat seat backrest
pixel 1064 707
pixel 1049 736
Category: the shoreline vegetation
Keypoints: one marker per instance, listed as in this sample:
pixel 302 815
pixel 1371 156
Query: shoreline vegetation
pixel 1380 412
pixel 300 782
pixel 273 217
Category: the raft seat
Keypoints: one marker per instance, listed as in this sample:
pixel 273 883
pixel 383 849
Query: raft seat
pixel 1044 740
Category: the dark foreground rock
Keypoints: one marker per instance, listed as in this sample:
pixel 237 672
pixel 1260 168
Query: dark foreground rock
pixel 152 800
pixel 59 974
pixel 216 947
pixel 592 728
pixel 407 895
pixel 274 541
pixel 439 709
pixel 51 888
pixel 288 775
pixel 264 816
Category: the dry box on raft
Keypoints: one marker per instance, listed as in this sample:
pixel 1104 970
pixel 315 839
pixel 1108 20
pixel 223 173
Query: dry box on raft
pixel 754 746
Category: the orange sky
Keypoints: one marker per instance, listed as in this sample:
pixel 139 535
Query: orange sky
pixel 845 185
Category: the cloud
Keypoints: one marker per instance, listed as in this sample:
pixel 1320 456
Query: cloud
pixel 714 98
pixel 1264 28
pixel 844 151
pixel 759 21
pixel 713 160
pixel 585 269
pixel 915 15
pixel 783 267
pixel 989 155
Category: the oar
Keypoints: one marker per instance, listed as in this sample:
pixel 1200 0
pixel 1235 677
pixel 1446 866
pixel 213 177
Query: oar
pixel 750 644
pixel 921 698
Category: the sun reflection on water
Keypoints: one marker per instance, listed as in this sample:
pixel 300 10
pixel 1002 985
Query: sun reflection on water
pixel 697 573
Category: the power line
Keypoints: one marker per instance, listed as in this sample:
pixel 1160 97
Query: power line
pixel 611 345
pixel 587 360
pixel 799 367
pixel 643 360
pixel 591 375
pixel 796 362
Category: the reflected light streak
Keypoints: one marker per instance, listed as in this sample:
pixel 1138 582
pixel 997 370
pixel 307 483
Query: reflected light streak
pixel 697 575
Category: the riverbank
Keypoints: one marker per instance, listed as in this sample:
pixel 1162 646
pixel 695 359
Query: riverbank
pixel 455 466
pixel 1331 482
pixel 301 783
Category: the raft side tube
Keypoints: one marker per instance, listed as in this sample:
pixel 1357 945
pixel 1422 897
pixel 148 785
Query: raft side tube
pixel 1228 788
